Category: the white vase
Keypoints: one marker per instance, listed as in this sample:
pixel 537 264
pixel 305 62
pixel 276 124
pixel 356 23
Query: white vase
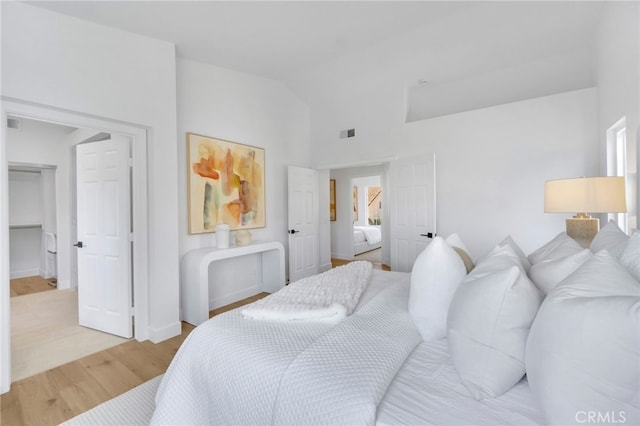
pixel 222 235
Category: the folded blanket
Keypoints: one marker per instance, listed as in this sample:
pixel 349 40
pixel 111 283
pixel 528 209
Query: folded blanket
pixel 329 296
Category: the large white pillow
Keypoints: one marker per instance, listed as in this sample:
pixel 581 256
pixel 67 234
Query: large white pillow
pixel 630 257
pixel 560 246
pixel 460 247
pixel 609 237
pixel 583 349
pixel 526 264
pixel 548 273
pixel 435 276
pixel 488 323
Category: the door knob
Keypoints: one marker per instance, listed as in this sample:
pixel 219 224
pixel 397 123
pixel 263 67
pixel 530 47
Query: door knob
pixel 293 231
pixel 428 235
pixel 78 244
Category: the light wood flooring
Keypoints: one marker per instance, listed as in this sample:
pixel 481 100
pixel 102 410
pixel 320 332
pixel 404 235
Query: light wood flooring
pixel 28 285
pixel 45 333
pixel 61 393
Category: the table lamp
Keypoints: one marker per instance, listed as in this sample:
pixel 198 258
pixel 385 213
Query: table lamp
pixel 583 196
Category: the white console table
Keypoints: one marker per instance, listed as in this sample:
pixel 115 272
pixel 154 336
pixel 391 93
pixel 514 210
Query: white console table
pixel 194 289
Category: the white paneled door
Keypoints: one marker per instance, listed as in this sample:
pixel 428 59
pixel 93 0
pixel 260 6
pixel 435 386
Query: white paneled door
pixel 104 247
pixel 304 228
pixel 412 208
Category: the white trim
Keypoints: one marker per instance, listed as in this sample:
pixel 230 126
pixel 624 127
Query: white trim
pixel 26 273
pixel 157 335
pixel 139 136
pixel 360 163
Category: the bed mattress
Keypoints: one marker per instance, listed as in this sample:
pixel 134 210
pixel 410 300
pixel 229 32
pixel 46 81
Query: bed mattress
pixel 428 391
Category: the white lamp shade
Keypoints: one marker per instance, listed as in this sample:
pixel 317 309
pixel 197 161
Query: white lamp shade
pixel 585 195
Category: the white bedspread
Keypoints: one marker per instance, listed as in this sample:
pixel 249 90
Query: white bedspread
pixel 371 233
pixel 428 391
pixel 231 370
pixel 329 296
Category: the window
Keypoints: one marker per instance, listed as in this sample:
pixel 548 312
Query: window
pixel 617 164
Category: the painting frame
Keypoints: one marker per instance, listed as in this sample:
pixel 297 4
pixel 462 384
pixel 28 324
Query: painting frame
pixel 225 184
pixel 355 203
pixel 332 200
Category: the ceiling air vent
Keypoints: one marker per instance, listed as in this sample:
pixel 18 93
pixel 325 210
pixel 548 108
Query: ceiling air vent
pixel 14 123
pixel 349 133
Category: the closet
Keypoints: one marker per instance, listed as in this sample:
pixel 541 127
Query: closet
pixel 32 233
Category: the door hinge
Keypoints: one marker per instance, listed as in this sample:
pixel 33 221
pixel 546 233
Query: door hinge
pixel 132 311
pixel 131 237
pixel 130 162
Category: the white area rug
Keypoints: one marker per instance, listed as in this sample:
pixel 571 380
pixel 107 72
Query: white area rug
pixel 132 408
pixel 45 333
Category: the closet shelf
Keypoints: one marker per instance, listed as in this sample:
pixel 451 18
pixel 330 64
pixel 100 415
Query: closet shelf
pixel 26 226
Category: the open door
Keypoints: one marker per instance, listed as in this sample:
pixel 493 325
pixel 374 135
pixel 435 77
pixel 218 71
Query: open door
pixel 304 227
pixel 104 247
pixel 412 209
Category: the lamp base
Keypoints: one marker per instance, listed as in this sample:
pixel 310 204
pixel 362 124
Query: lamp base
pixel 583 228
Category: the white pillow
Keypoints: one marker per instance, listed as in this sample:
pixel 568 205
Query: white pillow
pixel 523 259
pixel 630 257
pixel 500 257
pixel 435 276
pixel 584 346
pixel 609 237
pixel 560 246
pixel 459 246
pixel 548 273
pixel 488 323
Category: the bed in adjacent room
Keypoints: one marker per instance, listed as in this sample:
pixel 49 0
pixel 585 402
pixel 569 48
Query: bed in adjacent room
pixel 366 238
pixel 441 345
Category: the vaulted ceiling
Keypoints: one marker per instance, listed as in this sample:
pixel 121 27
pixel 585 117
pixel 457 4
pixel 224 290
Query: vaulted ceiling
pixel 351 45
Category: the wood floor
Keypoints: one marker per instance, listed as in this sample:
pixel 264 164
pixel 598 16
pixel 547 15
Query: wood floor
pixel 61 393
pixel 28 285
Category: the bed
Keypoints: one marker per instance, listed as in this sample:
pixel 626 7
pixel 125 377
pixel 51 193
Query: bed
pixel 374 366
pixel 366 238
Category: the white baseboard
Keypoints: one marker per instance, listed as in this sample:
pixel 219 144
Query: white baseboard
pixel 157 335
pixel 234 297
pixel 64 284
pixel 24 273
pixel 342 256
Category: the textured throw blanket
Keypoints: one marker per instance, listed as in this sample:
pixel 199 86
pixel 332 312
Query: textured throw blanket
pixel 329 296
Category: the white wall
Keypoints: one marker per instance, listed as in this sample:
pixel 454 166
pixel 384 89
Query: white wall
pixel 491 162
pixel 66 63
pixel 618 75
pixel 44 143
pixel 342 227
pixel 25 208
pixel 247 109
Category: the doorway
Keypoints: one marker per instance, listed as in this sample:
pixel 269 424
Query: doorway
pixel 367 218
pixel 138 172
pixel 354 219
pixel 45 331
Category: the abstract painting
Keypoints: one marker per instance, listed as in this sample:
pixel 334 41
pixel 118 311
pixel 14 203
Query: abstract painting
pixel 332 200
pixel 225 184
pixel 355 203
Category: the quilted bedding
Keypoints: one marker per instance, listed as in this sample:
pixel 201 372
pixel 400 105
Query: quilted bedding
pixel 231 370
